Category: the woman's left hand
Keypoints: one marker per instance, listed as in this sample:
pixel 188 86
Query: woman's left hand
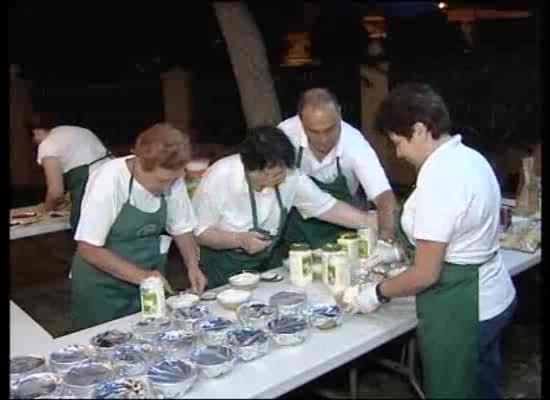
pixel 359 299
pixel 197 279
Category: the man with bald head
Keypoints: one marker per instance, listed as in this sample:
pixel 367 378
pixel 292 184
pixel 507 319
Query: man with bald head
pixel 338 159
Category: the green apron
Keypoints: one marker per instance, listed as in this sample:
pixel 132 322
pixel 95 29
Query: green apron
pixel 98 296
pixel 219 265
pixel 313 231
pixel 75 183
pixel 448 330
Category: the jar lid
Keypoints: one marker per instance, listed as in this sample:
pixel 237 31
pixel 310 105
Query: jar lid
pixel 332 247
pixel 348 235
pixel 299 247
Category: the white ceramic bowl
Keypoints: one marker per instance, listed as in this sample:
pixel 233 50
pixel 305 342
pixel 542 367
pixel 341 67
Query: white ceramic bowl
pixel 182 300
pixel 245 280
pixel 231 299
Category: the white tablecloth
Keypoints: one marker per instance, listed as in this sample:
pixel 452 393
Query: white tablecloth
pixel 284 369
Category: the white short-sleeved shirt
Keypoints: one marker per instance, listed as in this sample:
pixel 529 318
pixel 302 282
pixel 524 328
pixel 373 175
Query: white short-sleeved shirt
pixel 358 160
pixel 222 199
pixel 106 193
pixel 73 146
pixel 457 201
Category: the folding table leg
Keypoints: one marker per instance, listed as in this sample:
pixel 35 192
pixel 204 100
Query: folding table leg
pixel 406 366
pixel 353 374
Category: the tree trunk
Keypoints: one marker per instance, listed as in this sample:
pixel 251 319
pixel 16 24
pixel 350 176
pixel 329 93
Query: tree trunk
pixel 250 65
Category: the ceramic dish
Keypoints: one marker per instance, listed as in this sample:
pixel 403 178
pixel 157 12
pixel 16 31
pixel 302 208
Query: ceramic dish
pixel 245 280
pixel 182 300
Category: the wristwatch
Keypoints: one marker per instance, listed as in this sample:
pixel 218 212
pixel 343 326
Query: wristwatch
pixel 381 298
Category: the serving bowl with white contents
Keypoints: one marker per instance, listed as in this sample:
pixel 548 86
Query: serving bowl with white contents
pixel 245 280
pixel 231 299
pixel 182 300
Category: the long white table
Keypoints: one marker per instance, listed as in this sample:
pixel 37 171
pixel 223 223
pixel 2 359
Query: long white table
pixel 26 335
pixel 284 369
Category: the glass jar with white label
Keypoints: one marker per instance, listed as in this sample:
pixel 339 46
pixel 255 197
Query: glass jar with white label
pixel 336 271
pixel 301 264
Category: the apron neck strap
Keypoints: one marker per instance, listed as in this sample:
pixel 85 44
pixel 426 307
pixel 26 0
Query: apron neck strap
pixel 253 202
pixel 299 157
pixel 299 160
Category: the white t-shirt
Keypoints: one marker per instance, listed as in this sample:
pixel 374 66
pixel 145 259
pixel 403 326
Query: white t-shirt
pixel 222 199
pixel 73 146
pixel 106 193
pixel 358 160
pixel 457 201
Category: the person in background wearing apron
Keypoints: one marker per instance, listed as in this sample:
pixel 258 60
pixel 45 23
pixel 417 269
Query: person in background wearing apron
pixel 129 203
pixel 338 159
pixel 242 203
pixel 464 294
pixel 67 154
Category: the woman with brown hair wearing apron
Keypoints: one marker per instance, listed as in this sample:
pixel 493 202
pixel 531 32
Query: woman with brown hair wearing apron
pixel 242 203
pixel 128 206
pixel 450 227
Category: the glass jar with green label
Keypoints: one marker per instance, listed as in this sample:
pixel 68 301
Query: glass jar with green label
pixel 301 264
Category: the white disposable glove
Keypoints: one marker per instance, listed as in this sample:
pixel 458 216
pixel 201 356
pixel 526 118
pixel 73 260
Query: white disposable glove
pixel 360 299
pixel 383 253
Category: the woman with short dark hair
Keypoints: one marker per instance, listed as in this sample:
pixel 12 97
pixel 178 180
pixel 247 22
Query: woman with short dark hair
pixel 464 294
pixel 243 200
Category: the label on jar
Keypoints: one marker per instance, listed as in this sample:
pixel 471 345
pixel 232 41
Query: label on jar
pixel 336 271
pixel 153 301
pixel 367 239
pixel 301 267
pixel 350 244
